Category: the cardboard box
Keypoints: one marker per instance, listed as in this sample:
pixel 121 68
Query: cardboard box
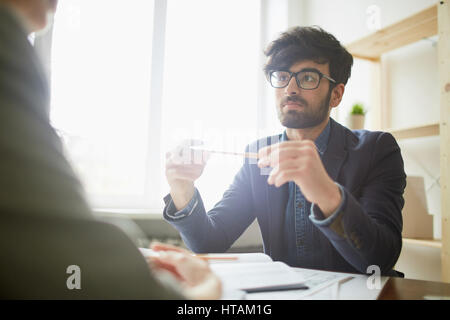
pixel 417 222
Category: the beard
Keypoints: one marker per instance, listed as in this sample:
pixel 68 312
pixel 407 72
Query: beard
pixel 308 118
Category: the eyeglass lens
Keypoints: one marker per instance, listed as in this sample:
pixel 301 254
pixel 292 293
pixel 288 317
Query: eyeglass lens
pixel 306 79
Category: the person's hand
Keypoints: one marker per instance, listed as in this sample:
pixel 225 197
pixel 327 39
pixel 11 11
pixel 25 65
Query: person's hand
pixel 299 161
pixel 183 167
pixel 194 274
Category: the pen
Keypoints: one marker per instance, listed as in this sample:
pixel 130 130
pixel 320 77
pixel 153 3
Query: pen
pixel 212 257
pixel 252 155
pixel 282 287
pixel 152 253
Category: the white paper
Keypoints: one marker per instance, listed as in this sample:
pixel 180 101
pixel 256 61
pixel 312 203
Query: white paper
pixel 252 275
pixel 315 280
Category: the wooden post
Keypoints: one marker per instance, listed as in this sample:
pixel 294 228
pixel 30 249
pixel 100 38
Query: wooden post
pixel 444 83
pixel 375 96
pixel 380 104
pixel 385 98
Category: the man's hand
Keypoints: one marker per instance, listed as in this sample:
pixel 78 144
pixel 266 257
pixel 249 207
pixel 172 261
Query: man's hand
pixel 299 161
pixel 194 274
pixel 183 167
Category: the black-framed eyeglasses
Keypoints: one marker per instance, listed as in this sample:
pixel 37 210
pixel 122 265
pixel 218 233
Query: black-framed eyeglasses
pixel 308 79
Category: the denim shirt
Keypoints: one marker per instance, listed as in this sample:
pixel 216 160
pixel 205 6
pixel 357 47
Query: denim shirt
pixel 299 235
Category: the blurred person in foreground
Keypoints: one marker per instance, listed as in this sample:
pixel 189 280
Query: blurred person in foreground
pixel 47 228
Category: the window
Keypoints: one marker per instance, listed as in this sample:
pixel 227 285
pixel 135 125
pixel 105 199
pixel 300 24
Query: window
pixel 101 64
pixel 130 79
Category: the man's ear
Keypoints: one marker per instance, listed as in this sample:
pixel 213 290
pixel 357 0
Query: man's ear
pixel 336 95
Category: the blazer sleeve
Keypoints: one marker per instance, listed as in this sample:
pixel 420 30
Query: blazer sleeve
pixel 367 230
pixel 216 230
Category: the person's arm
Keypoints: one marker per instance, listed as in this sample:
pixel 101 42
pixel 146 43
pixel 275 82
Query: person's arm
pixel 216 230
pixel 367 229
pixel 42 198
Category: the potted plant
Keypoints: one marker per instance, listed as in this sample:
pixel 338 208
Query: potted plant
pixel 357 116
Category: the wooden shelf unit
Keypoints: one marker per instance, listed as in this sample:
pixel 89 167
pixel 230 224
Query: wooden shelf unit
pixel 427 130
pixel 432 21
pixel 412 29
pixel 433 243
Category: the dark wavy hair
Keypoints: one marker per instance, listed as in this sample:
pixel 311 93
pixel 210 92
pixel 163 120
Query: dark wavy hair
pixel 309 43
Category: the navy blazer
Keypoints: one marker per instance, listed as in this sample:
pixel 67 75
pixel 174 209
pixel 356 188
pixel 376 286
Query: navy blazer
pixel 367 230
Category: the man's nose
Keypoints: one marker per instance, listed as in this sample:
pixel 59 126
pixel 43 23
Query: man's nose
pixel 292 87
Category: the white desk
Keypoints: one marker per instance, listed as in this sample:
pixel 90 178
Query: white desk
pixel 354 288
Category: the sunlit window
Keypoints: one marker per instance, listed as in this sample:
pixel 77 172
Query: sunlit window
pixel 101 72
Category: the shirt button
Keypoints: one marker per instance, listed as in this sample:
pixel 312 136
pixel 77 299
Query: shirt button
pixel 299 205
pixel 299 243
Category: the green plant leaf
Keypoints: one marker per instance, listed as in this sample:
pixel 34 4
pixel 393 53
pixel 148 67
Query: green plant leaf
pixel 358 108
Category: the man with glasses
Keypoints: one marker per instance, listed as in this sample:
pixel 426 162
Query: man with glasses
pixel 332 198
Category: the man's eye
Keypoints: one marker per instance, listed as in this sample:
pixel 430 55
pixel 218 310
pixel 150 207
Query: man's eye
pixel 281 76
pixel 309 78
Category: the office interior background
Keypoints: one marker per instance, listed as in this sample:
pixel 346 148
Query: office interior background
pixel 130 79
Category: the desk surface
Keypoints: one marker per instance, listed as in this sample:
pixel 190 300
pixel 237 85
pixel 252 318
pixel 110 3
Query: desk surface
pixel 408 289
pixel 356 289
pixel 391 289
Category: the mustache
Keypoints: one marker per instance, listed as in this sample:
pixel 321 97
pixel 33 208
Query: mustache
pixel 295 99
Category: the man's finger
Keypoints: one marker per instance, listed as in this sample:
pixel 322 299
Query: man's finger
pixel 266 151
pixel 187 155
pixel 177 166
pixel 283 177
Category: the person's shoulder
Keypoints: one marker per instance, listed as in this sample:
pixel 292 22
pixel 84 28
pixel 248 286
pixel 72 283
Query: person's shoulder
pixel 369 136
pixel 364 137
pixel 11 29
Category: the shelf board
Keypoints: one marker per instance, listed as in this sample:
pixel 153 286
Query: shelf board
pixel 416 27
pixel 415 132
pixel 433 243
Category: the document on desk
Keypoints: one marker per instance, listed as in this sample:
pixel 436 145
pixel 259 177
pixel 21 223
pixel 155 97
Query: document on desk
pixel 258 276
pixel 261 278
pixel 315 280
pixel 249 272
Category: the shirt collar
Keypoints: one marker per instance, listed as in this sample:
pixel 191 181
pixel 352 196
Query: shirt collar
pixel 321 141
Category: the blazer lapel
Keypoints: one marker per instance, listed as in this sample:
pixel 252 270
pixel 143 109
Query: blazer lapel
pixel 275 207
pixel 336 152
